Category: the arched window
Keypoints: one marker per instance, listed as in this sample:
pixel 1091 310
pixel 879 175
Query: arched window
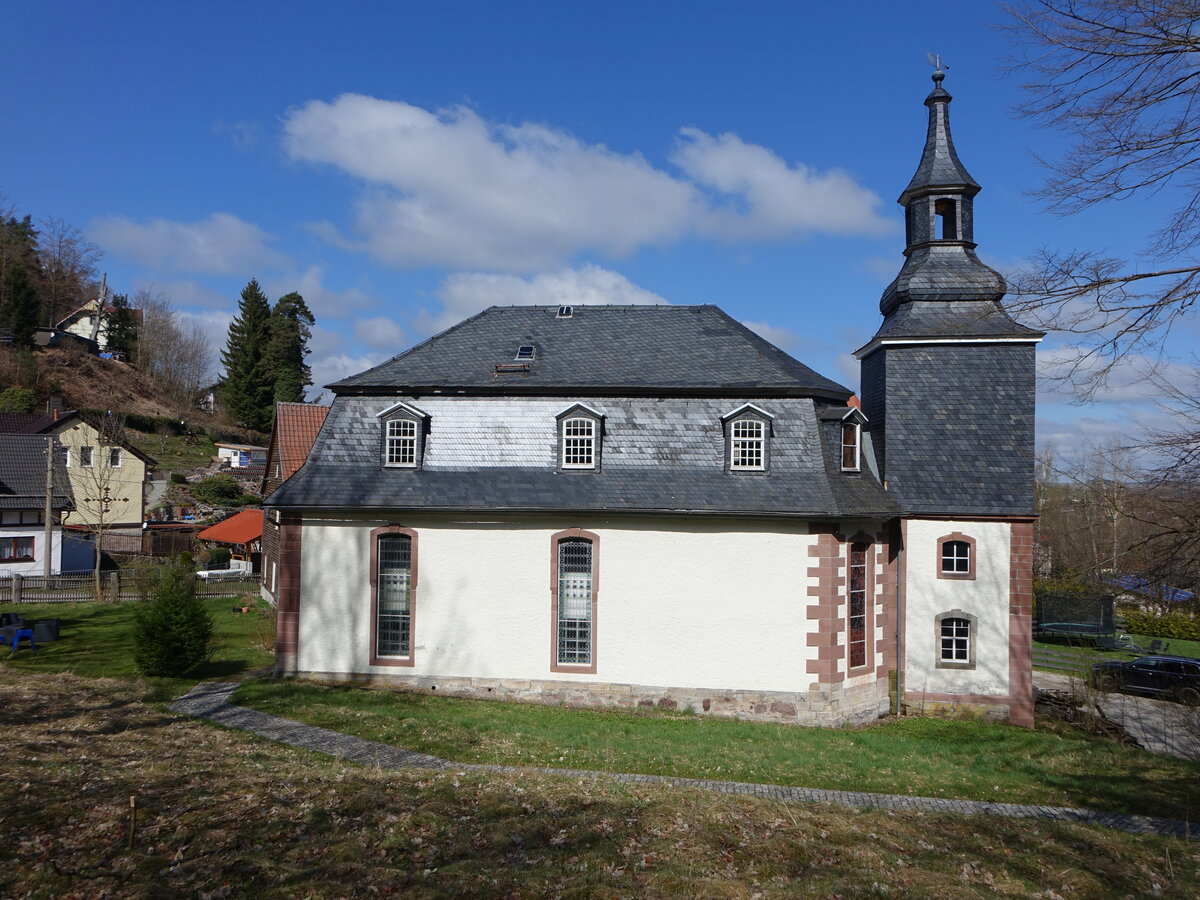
pixel 856 606
pixel 573 595
pixel 393 595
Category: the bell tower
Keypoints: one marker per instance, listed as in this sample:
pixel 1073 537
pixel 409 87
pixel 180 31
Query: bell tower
pixel 948 390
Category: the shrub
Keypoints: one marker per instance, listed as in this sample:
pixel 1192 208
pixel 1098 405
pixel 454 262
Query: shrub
pixel 218 557
pixel 1169 625
pixel 17 400
pixel 172 631
pixel 220 490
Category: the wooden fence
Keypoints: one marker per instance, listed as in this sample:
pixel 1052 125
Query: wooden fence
pixel 1062 661
pixel 123 584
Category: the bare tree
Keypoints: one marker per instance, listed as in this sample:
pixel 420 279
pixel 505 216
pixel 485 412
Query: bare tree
pixel 69 267
pixel 178 354
pixel 1119 78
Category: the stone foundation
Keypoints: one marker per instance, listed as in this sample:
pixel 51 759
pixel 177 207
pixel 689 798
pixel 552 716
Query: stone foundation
pixel 990 711
pixel 824 705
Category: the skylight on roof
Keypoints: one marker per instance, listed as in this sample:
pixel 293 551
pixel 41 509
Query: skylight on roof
pixel 565 312
pixel 524 352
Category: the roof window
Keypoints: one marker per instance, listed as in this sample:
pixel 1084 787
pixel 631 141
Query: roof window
pixel 565 312
pixel 524 353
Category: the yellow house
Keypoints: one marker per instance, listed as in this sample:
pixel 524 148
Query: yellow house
pixel 108 476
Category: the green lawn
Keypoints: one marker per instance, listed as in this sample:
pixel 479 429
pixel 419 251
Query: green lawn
pixel 1051 765
pixel 95 643
pixel 176 453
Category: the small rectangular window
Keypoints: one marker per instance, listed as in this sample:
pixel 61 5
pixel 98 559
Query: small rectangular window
pixel 956 640
pixel 956 557
pixel 524 353
pixel 16 549
pixel 579 443
pixel 747 445
pixel 401 442
pixel 114 457
pixel 850 437
pixel 85 457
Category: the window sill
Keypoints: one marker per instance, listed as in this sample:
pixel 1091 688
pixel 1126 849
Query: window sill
pixel 947 664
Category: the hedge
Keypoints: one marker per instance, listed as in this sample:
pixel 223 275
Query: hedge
pixel 1171 625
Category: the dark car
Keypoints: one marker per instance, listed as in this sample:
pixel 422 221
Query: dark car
pixel 1168 677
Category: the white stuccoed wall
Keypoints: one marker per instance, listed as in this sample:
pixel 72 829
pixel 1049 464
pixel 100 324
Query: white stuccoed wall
pixel 986 597
pixel 721 605
pixel 38 565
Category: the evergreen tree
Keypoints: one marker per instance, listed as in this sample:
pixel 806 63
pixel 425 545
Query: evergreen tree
pixel 21 305
pixel 291 327
pixel 121 332
pixel 18 249
pixel 247 390
pixel 172 631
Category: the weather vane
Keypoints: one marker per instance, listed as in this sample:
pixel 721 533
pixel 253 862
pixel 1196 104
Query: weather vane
pixel 935 60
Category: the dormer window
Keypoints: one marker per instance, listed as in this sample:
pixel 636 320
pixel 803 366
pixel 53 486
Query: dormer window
pixel 404 429
pixel 851 453
pixel 747 439
pixel 580 431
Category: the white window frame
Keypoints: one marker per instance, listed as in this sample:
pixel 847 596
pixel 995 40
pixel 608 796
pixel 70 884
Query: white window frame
pixel 401 436
pixel 114 457
pixel 745 446
pixel 855 429
pixel 86 457
pixel 578 450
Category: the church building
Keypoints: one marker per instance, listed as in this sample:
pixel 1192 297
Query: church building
pixel 652 506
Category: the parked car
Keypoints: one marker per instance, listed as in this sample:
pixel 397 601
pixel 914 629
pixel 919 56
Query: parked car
pixel 1169 677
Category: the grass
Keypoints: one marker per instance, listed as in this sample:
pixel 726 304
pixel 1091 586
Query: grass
pixel 221 813
pixel 176 453
pixel 95 642
pixel 1050 765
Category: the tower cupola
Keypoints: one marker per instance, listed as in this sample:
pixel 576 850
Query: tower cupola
pixel 939 222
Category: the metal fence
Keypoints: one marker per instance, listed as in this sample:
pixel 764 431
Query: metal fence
pixel 123 584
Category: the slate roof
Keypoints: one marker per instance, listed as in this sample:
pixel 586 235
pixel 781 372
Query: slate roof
pixel 658 454
pixel 942 272
pixel 681 350
pixel 965 319
pixel 940 166
pixel 23 474
pixel 26 423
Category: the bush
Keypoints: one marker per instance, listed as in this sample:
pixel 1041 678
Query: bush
pixel 220 490
pixel 1169 625
pixel 178 478
pixel 17 400
pixel 172 631
pixel 218 557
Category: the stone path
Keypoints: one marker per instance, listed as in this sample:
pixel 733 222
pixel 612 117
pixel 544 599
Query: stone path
pixel 211 701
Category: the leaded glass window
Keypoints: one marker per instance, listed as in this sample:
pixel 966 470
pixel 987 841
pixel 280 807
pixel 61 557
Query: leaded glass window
pixel 956 640
pixel 575 601
pixel 579 443
pixel 394 585
pixel 857 611
pixel 747 444
pixel 401 442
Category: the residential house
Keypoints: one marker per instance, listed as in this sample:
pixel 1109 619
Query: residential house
pixel 25 540
pixel 292 435
pixel 241 456
pixel 242 533
pixel 90 322
pixel 654 506
pixel 108 474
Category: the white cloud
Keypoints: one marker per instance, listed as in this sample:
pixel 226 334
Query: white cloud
pixel 186 293
pixel 322 301
pixel 465 293
pixel 449 188
pixel 328 369
pixel 380 333
pixel 777 335
pixel 222 244
pixel 767 197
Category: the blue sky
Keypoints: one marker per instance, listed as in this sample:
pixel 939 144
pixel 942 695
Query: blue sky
pixel 405 165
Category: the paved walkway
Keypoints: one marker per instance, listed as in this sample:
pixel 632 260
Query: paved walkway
pixel 211 701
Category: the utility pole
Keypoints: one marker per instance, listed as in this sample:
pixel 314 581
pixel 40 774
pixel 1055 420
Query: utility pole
pixel 48 511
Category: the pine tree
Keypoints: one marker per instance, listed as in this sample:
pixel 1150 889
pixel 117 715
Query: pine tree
pixel 121 332
pixel 291 327
pixel 172 631
pixel 247 389
pixel 21 305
